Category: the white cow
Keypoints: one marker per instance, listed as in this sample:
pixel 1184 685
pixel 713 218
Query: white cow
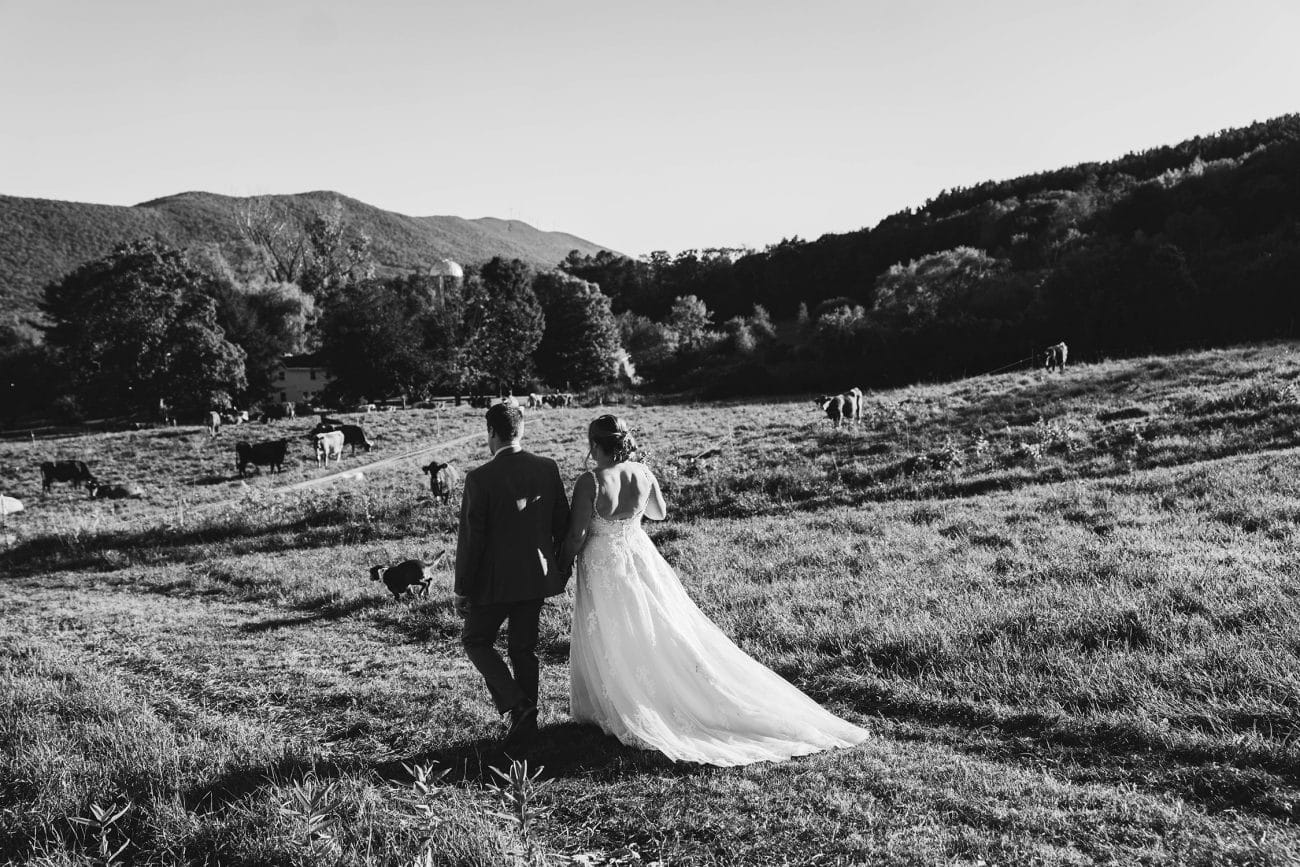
pixel 329 445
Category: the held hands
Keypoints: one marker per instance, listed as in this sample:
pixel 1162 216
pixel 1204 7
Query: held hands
pixel 460 604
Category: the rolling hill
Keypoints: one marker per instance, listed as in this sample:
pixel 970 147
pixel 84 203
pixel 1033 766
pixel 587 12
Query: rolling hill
pixel 45 239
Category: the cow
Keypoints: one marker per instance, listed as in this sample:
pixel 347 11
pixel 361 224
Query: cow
pixel 289 410
pixel 857 396
pixel 833 406
pixel 269 454
pixel 354 435
pixel 534 401
pixel 115 492
pixel 1054 357
pixel 214 423
pixel 442 479
pixel 65 471
pixel 852 408
pixel 329 445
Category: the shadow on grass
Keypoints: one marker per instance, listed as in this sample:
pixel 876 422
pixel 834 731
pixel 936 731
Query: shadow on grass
pixel 1117 751
pixel 563 749
pixel 325 609
pixel 330 526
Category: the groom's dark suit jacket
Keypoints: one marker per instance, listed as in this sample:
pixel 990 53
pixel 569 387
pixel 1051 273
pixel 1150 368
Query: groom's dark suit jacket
pixel 513 515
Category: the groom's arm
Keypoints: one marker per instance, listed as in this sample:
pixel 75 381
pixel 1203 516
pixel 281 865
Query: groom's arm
pixel 472 539
pixel 560 512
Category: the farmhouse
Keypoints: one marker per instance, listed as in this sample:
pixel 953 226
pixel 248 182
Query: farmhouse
pixel 301 378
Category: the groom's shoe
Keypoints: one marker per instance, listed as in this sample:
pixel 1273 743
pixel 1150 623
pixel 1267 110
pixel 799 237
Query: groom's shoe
pixel 523 727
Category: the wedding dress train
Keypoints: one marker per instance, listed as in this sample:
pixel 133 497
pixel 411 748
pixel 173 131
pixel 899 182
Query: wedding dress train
pixel 649 668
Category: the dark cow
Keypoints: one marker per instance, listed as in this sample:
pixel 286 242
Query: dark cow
pixel 65 471
pixel 269 454
pixel 115 492
pixel 833 406
pixel 442 479
pixel 354 436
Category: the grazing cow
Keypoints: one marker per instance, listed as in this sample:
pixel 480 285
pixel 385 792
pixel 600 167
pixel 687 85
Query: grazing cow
pixel 403 577
pixel 115 492
pixel 354 436
pixel 269 454
pixel 442 479
pixel 1054 358
pixel 534 401
pixel 833 406
pixel 477 402
pixel 214 423
pixel 65 471
pixel 329 445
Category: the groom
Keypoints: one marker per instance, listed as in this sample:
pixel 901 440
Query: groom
pixel 513 516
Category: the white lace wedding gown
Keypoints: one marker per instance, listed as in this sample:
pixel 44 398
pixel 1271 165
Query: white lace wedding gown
pixel 648 667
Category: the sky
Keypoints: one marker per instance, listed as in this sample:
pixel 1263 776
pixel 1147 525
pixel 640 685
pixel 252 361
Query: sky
pixel 640 126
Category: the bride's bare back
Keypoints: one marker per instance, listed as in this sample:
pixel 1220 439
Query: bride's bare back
pixel 627 489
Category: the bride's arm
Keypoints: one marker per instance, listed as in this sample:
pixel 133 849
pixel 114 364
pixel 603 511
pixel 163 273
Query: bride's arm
pixel 655 508
pixel 584 500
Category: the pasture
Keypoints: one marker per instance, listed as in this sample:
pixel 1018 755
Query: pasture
pixel 1067 605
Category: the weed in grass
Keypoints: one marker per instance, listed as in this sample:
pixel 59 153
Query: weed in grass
pixel 100 825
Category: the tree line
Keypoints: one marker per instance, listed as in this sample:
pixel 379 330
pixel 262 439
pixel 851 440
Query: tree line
pixel 1190 245
pixel 150 326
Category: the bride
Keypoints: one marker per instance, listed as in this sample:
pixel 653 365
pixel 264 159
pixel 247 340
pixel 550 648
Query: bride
pixel 646 665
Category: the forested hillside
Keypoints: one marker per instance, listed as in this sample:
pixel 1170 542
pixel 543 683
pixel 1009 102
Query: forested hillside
pixel 45 240
pixel 1192 244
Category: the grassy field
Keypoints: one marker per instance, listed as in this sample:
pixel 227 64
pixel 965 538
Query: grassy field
pixel 1067 606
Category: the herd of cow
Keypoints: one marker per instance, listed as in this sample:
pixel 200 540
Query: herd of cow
pixel 329 437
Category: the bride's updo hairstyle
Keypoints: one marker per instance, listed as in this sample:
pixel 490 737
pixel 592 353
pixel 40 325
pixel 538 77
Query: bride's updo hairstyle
pixel 611 434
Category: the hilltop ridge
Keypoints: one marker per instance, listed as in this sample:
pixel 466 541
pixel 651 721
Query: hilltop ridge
pixel 47 238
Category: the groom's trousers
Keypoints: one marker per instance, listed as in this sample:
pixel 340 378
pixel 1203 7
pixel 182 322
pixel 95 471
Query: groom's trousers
pixel 480 634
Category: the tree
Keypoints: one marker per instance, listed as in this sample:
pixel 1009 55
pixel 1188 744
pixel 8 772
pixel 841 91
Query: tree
pixel 140 325
pixel 29 382
pixel 580 344
pixel 690 319
pixel 337 256
pixel 268 321
pixel 373 341
pixel 505 323
pixel 268 226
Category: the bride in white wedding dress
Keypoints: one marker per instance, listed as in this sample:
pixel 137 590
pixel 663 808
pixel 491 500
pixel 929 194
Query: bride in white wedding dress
pixel 646 665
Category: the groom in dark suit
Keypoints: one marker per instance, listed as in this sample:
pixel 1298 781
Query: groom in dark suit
pixel 513 516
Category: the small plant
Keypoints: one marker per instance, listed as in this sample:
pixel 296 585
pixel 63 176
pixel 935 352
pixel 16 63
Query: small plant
pixel 979 448
pixel 426 797
pixel 314 804
pixel 1022 454
pixel 948 459
pixel 1056 436
pixel 519 791
pixel 100 824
